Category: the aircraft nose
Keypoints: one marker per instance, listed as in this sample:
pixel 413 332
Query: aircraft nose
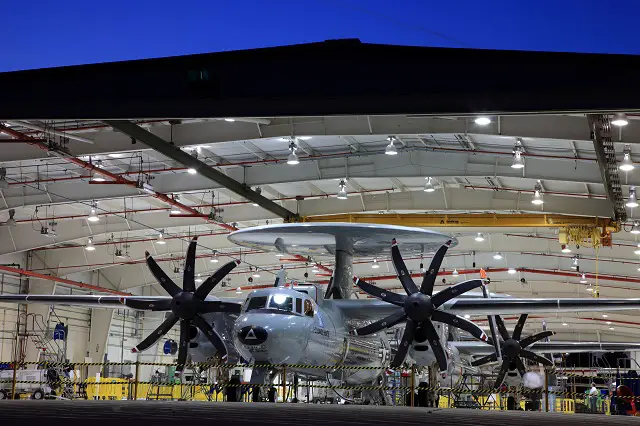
pixel 252 335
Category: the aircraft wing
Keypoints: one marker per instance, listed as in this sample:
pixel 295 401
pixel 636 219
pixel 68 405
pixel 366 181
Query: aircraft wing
pixel 480 348
pixel 516 306
pixel 94 301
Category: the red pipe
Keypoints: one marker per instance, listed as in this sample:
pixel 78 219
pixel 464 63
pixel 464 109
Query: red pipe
pixel 61 280
pixel 531 191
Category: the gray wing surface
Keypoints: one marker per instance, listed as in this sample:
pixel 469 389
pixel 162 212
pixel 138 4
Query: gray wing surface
pixel 479 348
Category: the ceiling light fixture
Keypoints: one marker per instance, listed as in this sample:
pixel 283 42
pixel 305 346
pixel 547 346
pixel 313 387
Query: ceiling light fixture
pixel 175 210
pixel 467 316
pixel 90 246
pixel 238 290
pixel 565 248
pixel 230 120
pixel 574 263
pixel 198 278
pixel 537 194
pixel 97 178
pixel 93 217
pixel 256 274
pixel 192 171
pixel 583 279
pixel 512 271
pixel 375 264
pixel 565 324
pixel 635 229
pixel 455 272
pixel 279 254
pixel 479 238
pixel 428 187
pixel 518 161
pixel 160 239
pixel 637 250
pixel 611 328
pixel 315 269
pixel 391 148
pixel 626 164
pixel 214 257
pixel 608 322
pixel 620 119
pixel 482 120
pixel 497 256
pixel 632 201
pixel 3 178
pixel 589 288
pixel 342 193
pixel 293 158
pixel 605 316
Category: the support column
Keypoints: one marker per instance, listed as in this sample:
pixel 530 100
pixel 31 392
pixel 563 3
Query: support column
pixel 343 270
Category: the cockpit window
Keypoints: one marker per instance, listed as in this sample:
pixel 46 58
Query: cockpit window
pixel 282 302
pixel 257 302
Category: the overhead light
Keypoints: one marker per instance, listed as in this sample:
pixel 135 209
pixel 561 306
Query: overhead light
pixel 238 290
pixel 637 250
pixel 605 316
pixel 632 201
pixel 479 238
pixel 590 289
pixel 230 120
pixel 512 271
pixel 391 148
pixel 214 258
pixel 279 254
pixel 342 194
pixel 160 239
pixel 565 248
pixel 115 155
pixel 293 158
pixel 608 322
pixel 497 256
pixel 315 269
pixel 11 221
pixel 482 121
pixel 93 217
pixel 175 210
pixel 537 194
pixel 620 119
pixel 375 264
pixel 422 270
pixel 565 324
pixel 455 272
pixel 635 229
pixel 626 164
pixel 574 263
pixel 611 328
pixel 198 278
pixel 518 161
pixel 256 274
pixel 97 178
pixel 90 246
pixel 192 171
pixel 428 187
pixel 583 279
pixel 304 138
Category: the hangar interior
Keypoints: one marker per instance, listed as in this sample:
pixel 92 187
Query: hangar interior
pixel 529 197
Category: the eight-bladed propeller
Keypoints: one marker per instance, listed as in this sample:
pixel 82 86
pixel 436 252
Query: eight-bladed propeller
pixel 513 348
pixel 419 307
pixel 187 306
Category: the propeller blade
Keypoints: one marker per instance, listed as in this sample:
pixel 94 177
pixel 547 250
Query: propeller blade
pixel 157 334
pixel 520 366
pixel 147 305
pixel 517 331
pixel 535 357
pixel 387 322
pixel 528 341
pixel 210 283
pixel 405 343
pixel 430 275
pixel 219 306
pixel 183 346
pixel 461 323
pixel 401 270
pixel 212 335
pixel 436 346
pixel 453 291
pixel 387 296
pixel 503 372
pixel 188 278
pixel 501 328
pixel 485 360
pixel 164 280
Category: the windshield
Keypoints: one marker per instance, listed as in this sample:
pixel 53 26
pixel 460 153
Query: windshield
pixel 282 302
pixel 257 302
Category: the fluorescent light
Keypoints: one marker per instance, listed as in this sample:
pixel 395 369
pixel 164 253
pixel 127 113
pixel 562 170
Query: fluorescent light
pixel 230 120
pixel 192 171
pixel 512 271
pixel 479 238
pixel 93 217
pixel 620 119
pixel 626 164
pixel 497 256
pixel 391 148
pixel 482 121
pixel 375 264
pixel 90 246
pixel 160 239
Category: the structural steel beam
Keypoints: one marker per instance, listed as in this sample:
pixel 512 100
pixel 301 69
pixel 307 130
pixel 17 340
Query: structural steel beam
pixel 170 151
pixel 470 220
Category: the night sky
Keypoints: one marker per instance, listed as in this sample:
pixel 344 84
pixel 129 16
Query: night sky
pixel 45 33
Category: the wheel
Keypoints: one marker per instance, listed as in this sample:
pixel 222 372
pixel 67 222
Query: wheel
pixel 4 394
pixel 38 394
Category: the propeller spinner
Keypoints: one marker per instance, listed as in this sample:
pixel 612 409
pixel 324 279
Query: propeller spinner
pixel 419 308
pixel 187 305
pixel 513 349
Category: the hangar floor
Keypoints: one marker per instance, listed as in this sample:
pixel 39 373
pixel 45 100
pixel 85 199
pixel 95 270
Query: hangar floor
pixel 201 413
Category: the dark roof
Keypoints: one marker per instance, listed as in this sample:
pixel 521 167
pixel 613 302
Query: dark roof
pixel 327 78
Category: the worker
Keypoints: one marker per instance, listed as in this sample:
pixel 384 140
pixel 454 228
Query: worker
pixel 593 398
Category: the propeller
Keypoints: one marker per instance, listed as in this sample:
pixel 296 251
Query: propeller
pixel 187 305
pixel 420 307
pixel 513 348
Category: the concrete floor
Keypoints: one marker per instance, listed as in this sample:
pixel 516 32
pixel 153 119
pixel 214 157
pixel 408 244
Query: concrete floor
pixel 157 413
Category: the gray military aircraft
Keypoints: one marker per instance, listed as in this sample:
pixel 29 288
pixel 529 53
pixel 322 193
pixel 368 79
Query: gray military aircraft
pixel 297 326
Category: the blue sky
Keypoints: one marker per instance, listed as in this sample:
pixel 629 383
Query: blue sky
pixel 45 33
